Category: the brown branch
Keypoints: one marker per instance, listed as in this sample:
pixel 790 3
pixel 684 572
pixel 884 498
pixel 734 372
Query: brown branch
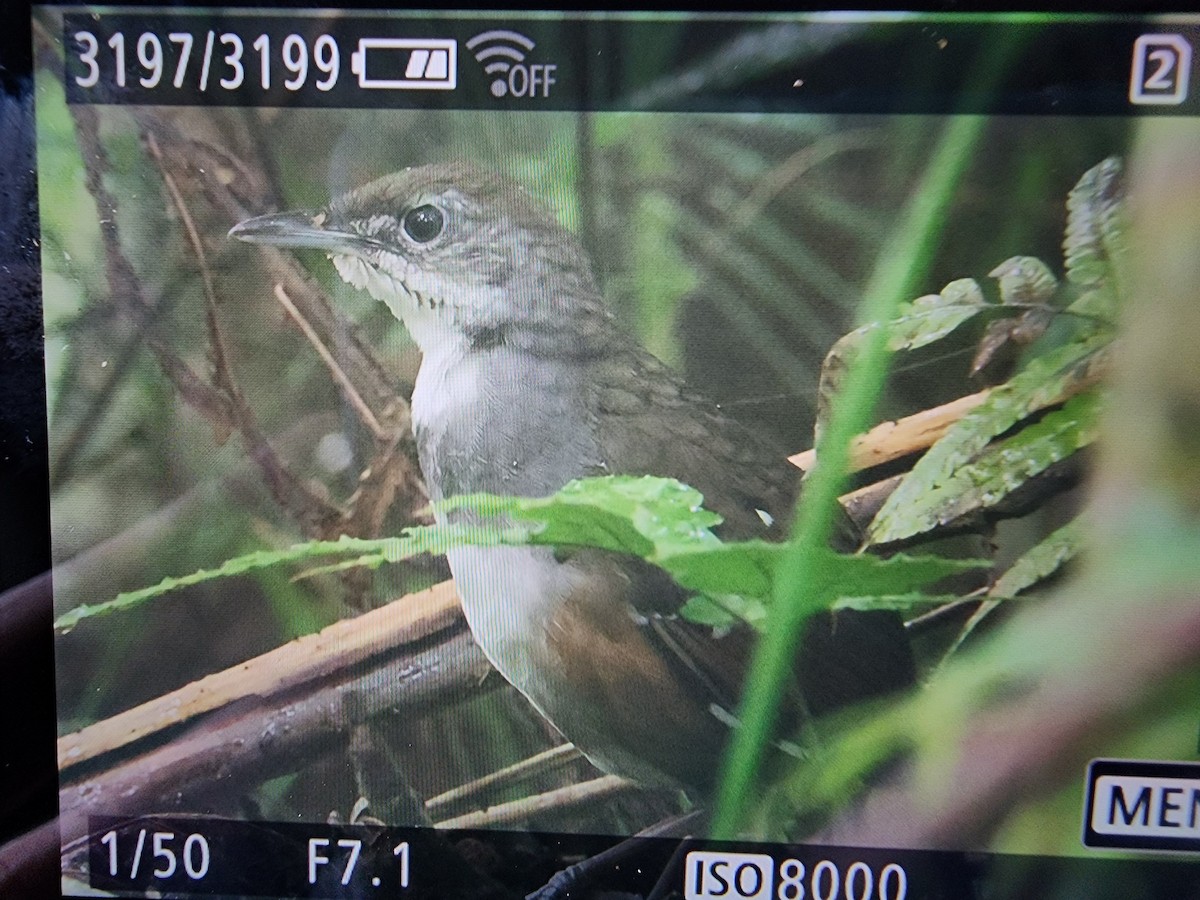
pixel 349 391
pixel 125 287
pixel 123 283
pixel 227 751
pixel 391 471
pixel 862 504
pixel 556 756
pixel 309 659
pixel 317 517
pixel 232 188
pixel 236 195
pixel 228 186
pixel 558 800
pixel 894 440
pixel 216 338
pixel 221 404
pixel 890 441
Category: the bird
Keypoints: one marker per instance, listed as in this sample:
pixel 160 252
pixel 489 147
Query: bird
pixel 528 381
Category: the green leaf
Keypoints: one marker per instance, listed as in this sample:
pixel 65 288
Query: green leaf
pixel 1099 302
pixel 748 569
pixel 963 291
pixel 924 320
pixel 353 552
pixel 643 516
pixel 1039 562
pixel 240 565
pixel 861 575
pixel 1095 224
pixel 657 519
pixel 916 324
pixel 1025 280
pixel 664 522
pixel 723 612
pixel 625 513
pixel 1094 244
pixel 928 319
pixel 899 602
pixel 908 510
pixel 1002 469
pixel 1033 566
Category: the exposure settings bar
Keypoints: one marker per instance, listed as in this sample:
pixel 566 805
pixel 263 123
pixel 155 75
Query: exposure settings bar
pixel 694 64
pixel 203 856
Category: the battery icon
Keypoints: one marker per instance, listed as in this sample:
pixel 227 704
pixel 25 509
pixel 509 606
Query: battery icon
pixel 406 64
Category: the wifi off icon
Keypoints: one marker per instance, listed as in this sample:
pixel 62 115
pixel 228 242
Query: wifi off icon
pixel 502 54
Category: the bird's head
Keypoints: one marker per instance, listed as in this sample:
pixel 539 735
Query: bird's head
pixel 455 252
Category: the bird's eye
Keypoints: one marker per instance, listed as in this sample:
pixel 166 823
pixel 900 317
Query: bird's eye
pixel 423 223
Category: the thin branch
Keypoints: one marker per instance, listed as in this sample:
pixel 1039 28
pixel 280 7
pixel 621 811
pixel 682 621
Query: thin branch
pixel 558 800
pixel 315 515
pixel 537 764
pixel 124 285
pixel 216 337
pixel 894 440
pixel 392 472
pixel 239 196
pixel 353 397
pixel 220 175
pixel 779 178
pixel 125 288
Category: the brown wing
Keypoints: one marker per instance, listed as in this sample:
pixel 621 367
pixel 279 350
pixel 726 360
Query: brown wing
pixel 669 689
pixel 670 431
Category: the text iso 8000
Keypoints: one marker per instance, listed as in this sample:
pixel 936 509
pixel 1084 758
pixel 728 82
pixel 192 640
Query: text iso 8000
pixel 754 876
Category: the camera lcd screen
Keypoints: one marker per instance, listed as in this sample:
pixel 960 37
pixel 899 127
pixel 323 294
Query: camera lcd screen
pixel 643 455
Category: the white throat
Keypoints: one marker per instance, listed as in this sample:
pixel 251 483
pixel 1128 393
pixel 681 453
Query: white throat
pixel 411 299
pixel 448 381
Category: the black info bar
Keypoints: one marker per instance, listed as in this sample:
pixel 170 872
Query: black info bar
pixel 845 63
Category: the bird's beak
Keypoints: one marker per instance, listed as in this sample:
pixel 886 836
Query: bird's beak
pixel 300 229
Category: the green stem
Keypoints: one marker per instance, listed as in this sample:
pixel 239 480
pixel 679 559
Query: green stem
pixel 899 271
